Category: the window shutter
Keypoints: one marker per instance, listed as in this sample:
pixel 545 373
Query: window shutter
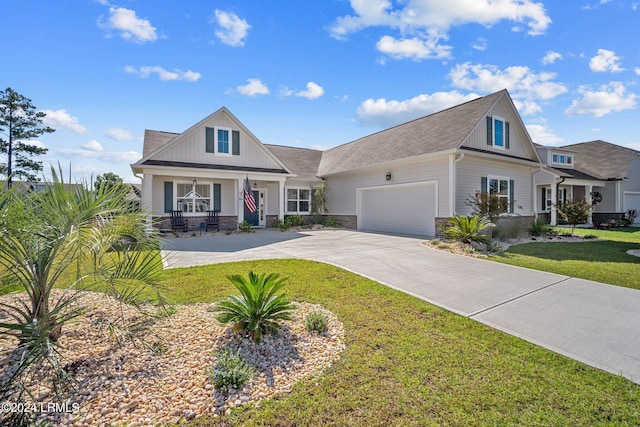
pixel 489 130
pixel 217 197
pixel 506 135
pixel 168 196
pixel 544 199
pixel 511 192
pixel 235 148
pixel 210 140
pixel 483 184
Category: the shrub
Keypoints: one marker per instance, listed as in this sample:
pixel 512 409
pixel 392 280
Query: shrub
pixel 293 220
pixel 316 321
pixel 468 229
pixel 539 228
pixel 230 370
pixel 257 310
pixel 574 212
pixel 487 205
pixel 279 224
pixel 330 222
pixel 245 227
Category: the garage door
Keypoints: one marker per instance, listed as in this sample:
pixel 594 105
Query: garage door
pixel 632 201
pixel 400 209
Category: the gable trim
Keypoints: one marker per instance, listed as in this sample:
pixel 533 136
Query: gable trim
pixel 170 164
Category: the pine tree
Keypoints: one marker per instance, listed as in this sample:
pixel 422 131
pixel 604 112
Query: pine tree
pixel 20 122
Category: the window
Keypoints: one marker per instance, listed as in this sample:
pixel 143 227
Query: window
pixel 193 198
pixel 223 141
pixel 298 200
pixel 498 132
pixel 503 189
pixel 554 158
pixel 547 201
pixel 562 159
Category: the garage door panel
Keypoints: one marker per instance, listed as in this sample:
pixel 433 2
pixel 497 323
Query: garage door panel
pixel 402 209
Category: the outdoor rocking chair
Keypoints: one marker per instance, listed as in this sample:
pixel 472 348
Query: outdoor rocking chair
pixel 178 222
pixel 213 220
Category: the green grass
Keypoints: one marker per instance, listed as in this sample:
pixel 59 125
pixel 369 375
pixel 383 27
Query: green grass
pixel 603 261
pixel 409 363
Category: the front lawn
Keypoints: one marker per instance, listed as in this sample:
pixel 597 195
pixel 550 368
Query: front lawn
pixel 604 261
pixel 410 363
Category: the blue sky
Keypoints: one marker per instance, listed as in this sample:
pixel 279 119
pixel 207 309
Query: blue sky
pixel 317 73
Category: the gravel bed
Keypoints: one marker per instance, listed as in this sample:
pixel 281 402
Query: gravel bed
pixel 164 381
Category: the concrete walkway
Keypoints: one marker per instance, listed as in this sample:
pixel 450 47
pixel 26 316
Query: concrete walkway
pixel 594 323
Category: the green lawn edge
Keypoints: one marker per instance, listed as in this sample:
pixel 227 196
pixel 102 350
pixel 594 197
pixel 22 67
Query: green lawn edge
pixel 409 363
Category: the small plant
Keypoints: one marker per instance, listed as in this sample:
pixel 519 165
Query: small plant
pixel 467 229
pixel 230 371
pixel 590 236
pixel 245 227
pixel 331 222
pixel 539 228
pixel 280 225
pixel 257 310
pixel 316 321
pixel 295 220
pixel 193 234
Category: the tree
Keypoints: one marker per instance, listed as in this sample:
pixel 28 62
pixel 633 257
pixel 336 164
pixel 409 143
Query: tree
pixel 108 181
pixel 487 205
pixel 74 238
pixel 19 122
pixel 574 212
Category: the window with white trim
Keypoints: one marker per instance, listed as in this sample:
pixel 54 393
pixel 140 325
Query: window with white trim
pixel 561 159
pixel 222 141
pixel 500 187
pixel 193 198
pixel 298 200
pixel 498 132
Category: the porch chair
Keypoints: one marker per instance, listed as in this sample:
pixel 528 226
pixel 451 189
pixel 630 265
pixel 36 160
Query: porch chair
pixel 213 220
pixel 178 222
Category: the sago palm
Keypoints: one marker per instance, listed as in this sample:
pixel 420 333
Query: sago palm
pixel 468 229
pixel 257 310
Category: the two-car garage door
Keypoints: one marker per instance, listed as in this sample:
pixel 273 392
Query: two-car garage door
pixel 401 208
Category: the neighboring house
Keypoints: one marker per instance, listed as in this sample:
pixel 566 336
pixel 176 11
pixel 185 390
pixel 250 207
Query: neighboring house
pixel 599 169
pixel 406 179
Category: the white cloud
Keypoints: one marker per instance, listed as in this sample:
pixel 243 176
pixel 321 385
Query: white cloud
pixel 231 29
pixel 252 88
pixel 551 57
pixel 543 135
pixel 131 27
pixel 637 70
pixel 605 60
pixel 480 44
pixel 383 113
pixel 597 103
pixel 120 134
pixel 413 48
pixel 428 21
pixel 94 150
pixel 525 86
pixel 61 119
pixel 165 75
pixel 313 91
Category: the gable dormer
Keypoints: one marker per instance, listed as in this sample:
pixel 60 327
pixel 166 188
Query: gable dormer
pixel 557 157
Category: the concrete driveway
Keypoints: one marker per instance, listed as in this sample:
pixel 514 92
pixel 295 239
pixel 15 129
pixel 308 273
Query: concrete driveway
pixel 594 323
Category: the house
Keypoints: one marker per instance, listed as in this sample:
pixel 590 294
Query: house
pixel 406 179
pixel 605 174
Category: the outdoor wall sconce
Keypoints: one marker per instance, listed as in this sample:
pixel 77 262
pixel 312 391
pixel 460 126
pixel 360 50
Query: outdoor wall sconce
pixel 195 182
pixel 388 177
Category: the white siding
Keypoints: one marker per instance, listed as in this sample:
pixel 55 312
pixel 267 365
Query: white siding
pixel 519 143
pixel 632 183
pixel 609 195
pixel 190 147
pixel 341 189
pixel 470 170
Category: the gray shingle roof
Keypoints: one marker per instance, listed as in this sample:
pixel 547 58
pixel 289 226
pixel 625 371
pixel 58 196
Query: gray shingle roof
pixel 440 131
pixel 603 159
pixel 154 139
pixel 302 162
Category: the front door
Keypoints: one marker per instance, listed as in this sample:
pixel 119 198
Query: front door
pixel 257 218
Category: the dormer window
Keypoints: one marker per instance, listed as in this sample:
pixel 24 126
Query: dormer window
pixel 561 159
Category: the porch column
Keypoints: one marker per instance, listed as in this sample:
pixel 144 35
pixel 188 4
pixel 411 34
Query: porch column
pixel 281 205
pixel 587 197
pixel 147 196
pixel 554 210
pixel 240 196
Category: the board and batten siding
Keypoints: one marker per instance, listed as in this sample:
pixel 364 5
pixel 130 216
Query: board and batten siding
pixel 341 189
pixel 470 171
pixel 191 147
pixel 519 145
pixel 227 189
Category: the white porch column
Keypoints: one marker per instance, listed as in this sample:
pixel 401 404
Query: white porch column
pixel 587 197
pixel 281 195
pixel 147 196
pixel 240 196
pixel 554 200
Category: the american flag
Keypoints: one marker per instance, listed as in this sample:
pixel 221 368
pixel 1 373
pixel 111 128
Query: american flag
pixel 249 201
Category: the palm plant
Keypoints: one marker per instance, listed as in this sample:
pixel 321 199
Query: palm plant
pixel 468 229
pixel 257 310
pixel 72 237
